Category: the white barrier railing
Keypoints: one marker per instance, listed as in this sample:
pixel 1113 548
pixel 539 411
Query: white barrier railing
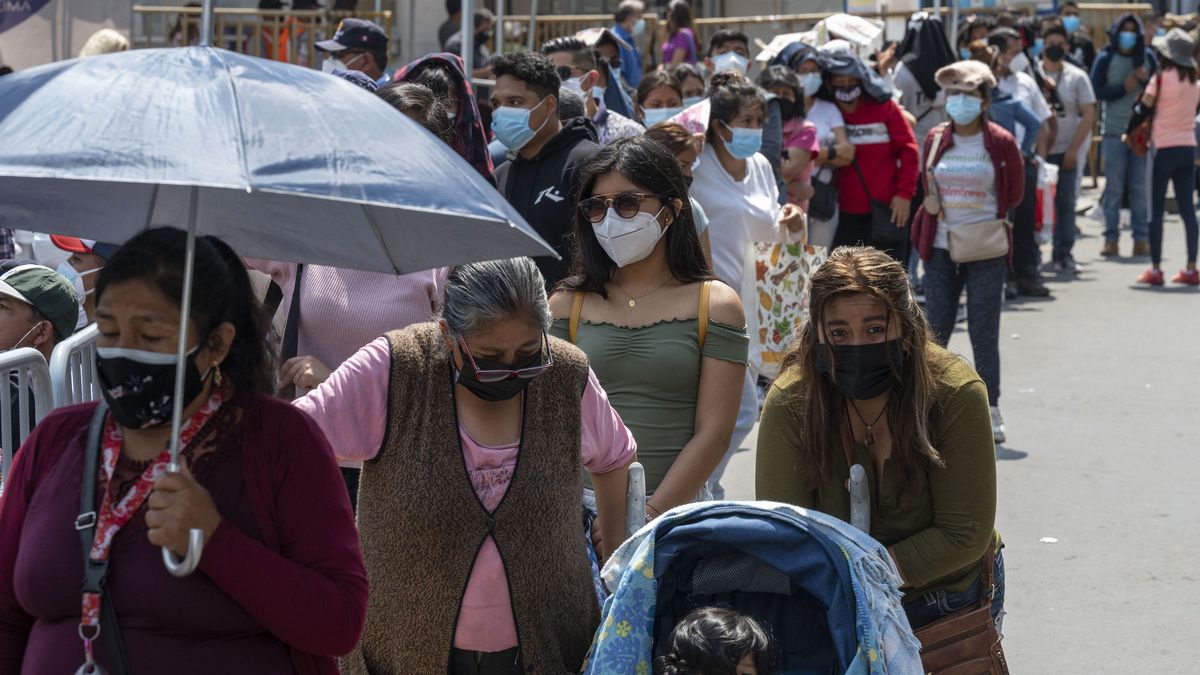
pixel 73 368
pixel 25 371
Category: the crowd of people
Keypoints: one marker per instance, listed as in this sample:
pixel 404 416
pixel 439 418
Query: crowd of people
pixel 916 167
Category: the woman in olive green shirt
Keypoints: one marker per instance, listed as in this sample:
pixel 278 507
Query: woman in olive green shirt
pixel 664 339
pixel 866 384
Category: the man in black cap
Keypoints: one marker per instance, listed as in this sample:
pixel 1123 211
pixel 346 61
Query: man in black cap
pixel 358 45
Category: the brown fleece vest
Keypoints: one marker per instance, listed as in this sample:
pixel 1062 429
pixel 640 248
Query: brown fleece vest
pixel 422 525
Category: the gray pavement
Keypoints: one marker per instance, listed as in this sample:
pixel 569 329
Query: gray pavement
pixel 1103 438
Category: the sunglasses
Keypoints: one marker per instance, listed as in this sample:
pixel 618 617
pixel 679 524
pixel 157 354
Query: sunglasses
pixel 626 204
pixel 492 376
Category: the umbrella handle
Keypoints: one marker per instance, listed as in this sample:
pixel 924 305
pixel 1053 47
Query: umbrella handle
pixel 189 563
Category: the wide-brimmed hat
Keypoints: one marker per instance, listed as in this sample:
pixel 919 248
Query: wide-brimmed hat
pixel 1176 46
pixel 965 76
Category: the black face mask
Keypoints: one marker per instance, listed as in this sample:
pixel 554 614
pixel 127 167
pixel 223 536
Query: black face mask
pixel 1055 53
pixel 863 371
pixel 496 391
pixel 481 38
pixel 139 386
pixel 688 180
pixel 787 109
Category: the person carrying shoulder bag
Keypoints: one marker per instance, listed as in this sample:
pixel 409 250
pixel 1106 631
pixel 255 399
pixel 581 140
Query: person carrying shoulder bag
pixel 974 176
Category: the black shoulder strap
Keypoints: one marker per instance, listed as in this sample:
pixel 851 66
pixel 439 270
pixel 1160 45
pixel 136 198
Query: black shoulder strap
pixel 291 330
pixel 95 572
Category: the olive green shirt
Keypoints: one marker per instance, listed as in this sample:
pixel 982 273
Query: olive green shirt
pixel 938 524
pixel 652 377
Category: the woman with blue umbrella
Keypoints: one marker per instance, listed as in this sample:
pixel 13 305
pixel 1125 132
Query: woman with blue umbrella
pixel 281 587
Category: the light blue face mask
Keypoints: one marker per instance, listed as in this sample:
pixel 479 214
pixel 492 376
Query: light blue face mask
pixel 690 101
pixel 598 92
pixel 511 126
pixel 639 27
pixel 964 53
pixel 1036 49
pixel 1126 40
pixel 963 108
pixel 1071 23
pixel 652 116
pixel 744 142
pixel 730 61
pixel 810 83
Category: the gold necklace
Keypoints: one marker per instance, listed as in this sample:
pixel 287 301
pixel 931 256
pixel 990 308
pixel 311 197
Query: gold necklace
pixel 634 298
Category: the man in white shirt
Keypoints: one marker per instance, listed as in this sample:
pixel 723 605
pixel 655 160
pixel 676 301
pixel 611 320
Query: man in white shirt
pixel 1026 257
pixel 1076 112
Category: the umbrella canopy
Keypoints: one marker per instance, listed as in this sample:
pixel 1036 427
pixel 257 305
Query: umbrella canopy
pixel 285 163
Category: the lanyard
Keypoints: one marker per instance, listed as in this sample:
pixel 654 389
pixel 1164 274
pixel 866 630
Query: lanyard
pixel 114 514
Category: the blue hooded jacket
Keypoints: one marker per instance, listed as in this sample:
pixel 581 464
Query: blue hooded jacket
pixel 1142 55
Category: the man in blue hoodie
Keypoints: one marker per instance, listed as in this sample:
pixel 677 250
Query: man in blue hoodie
pixel 1122 70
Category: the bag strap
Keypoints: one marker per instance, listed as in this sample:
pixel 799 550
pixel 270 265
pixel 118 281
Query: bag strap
pixel 937 145
pixel 987 577
pixel 95 572
pixel 702 315
pixel 576 312
pixel 291 330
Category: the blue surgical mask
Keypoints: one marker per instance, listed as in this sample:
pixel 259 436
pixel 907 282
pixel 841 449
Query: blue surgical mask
pixel 511 126
pixel 730 61
pixel 1160 31
pixel 1126 40
pixel 598 92
pixel 744 142
pixel 963 109
pixel 689 101
pixel 964 53
pixel 1071 23
pixel 810 83
pixel 652 116
pixel 1036 49
pixel 639 27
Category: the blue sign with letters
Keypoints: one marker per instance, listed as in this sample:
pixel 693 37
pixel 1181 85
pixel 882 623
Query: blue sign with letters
pixel 13 12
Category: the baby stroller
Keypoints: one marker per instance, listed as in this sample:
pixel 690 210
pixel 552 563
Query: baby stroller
pixel 826 592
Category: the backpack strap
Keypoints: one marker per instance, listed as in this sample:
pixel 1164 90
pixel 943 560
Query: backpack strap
pixel 576 311
pixel 702 316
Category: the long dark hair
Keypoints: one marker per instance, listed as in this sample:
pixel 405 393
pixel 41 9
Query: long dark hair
pixel 679 12
pixel 819 407
pixel 650 166
pixel 1185 73
pixel 221 293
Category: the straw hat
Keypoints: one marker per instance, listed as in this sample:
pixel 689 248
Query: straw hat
pixel 1176 46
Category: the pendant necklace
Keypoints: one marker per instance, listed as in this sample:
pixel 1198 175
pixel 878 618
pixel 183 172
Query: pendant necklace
pixel 869 438
pixel 634 298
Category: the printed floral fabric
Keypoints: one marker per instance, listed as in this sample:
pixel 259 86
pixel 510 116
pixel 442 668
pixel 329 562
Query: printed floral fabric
pixel 782 286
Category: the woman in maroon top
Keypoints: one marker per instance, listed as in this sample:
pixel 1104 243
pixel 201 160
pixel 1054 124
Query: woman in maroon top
pixel 280 587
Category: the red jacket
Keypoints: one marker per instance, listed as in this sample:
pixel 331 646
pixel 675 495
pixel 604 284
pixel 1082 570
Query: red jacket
pixel 1010 179
pixel 885 150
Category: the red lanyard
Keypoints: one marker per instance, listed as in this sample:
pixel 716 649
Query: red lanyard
pixel 114 515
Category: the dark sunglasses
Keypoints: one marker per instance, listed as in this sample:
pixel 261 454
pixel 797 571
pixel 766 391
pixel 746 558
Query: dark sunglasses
pixel 492 376
pixel 626 204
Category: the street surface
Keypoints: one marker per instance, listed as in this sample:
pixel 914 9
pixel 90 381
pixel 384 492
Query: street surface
pixel 1102 440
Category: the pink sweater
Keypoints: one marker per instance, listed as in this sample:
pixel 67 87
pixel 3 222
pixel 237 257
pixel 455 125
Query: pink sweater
pixel 1174 110
pixel 342 310
pixel 351 408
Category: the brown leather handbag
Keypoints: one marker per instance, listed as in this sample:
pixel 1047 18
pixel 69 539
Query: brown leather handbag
pixel 966 642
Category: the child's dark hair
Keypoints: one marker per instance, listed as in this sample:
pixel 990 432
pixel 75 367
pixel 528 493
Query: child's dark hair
pixel 221 293
pixel 711 641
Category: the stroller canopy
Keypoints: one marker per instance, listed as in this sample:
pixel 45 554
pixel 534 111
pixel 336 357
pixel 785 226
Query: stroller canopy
pixel 826 592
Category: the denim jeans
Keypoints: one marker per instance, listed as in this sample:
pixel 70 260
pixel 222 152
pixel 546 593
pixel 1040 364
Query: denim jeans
pixel 1174 164
pixel 746 419
pixel 1123 168
pixel 984 281
pixel 1064 209
pixel 933 605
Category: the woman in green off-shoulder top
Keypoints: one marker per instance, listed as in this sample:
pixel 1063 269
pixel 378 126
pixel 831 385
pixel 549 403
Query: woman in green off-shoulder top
pixel 667 342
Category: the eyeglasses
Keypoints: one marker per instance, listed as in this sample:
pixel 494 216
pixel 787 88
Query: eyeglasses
pixel 626 204
pixel 492 376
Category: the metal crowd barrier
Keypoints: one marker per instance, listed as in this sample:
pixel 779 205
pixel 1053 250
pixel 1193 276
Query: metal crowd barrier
pixel 635 499
pixel 26 370
pixel 73 368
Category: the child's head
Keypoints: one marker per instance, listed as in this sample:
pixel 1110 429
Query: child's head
pixel 716 641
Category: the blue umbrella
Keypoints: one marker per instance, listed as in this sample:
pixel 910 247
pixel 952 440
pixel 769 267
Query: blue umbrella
pixel 280 161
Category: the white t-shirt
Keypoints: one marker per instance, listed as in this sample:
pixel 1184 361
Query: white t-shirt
pixel 826 117
pixel 966 181
pixel 1023 87
pixel 739 212
pixel 1074 89
pixel 929 112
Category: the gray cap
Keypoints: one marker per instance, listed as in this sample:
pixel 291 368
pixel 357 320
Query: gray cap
pixel 1177 46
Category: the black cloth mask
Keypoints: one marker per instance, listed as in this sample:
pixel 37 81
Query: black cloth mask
pixel 139 386
pixel 863 371
pixel 1056 53
pixel 496 391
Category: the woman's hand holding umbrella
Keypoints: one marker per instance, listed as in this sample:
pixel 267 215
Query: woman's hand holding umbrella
pixel 178 505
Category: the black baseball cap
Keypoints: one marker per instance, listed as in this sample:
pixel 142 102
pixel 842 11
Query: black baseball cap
pixel 355 34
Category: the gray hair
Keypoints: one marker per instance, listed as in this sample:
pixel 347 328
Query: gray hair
pixel 629 8
pixel 482 293
pixel 570 104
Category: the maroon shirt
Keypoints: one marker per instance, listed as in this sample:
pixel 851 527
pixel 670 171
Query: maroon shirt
pixel 281 586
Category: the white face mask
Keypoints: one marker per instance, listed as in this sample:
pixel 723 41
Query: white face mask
pixel 333 63
pixel 1020 63
pixel 730 61
pixel 574 84
pixel 628 241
